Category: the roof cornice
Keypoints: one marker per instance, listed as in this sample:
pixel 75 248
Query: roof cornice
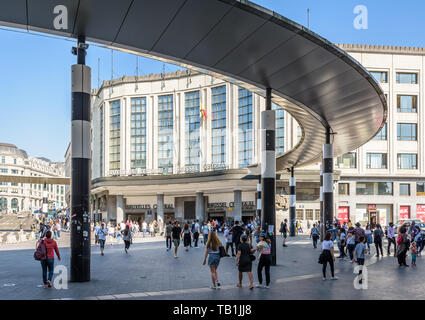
pixel 366 48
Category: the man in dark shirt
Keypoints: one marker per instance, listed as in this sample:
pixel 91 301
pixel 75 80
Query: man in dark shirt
pixel 175 237
pixel 236 234
pixel 358 232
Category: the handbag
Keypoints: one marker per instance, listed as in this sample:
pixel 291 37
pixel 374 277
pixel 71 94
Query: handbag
pixel 252 257
pixel 321 259
pixel 222 251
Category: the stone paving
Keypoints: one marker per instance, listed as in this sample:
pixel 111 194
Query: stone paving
pixel 150 272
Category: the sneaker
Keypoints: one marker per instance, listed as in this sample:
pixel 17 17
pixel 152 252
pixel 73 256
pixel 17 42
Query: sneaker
pixel 259 286
pixel 334 278
pixel 218 284
pixel 49 285
pixel 266 287
pixel 323 278
pixel 212 287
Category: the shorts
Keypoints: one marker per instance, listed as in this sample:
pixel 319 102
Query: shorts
pixel 102 243
pixel 285 235
pixel 213 259
pixel 176 242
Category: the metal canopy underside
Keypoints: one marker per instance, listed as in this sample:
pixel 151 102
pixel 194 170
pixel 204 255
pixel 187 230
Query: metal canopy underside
pixel 239 42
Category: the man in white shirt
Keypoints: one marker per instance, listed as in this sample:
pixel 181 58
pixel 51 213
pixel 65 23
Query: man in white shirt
pixel 144 227
pixel 196 233
pixel 391 238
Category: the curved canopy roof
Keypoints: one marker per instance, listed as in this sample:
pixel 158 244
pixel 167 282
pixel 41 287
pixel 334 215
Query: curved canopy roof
pixel 240 42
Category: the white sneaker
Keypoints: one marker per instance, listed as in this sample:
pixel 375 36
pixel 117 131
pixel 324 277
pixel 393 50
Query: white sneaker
pixel 214 288
pixel 323 278
pixel 259 286
pixel 266 287
pixel 334 278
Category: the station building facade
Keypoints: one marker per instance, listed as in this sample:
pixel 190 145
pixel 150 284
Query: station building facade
pixel 181 146
pixel 24 197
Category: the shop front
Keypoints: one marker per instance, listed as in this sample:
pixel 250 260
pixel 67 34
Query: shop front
pixel 343 214
pixel 420 212
pixel 217 211
pixel 374 214
pixel 248 211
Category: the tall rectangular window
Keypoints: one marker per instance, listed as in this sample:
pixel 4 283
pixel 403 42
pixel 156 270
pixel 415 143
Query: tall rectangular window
pixel 382 134
pixel 407 161
pixel 420 189
pixel 344 189
pixel 101 141
pixel 246 139
pixel 376 160
pixel 407 78
pixel 165 133
pixel 114 135
pixel 404 189
pixel 407 103
pixel 218 124
pixel 192 130
pixel 280 130
pixel 406 131
pixel 380 76
pixel 347 161
pixel 138 133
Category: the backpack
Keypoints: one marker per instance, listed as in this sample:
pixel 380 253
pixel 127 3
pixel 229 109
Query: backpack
pixel 41 252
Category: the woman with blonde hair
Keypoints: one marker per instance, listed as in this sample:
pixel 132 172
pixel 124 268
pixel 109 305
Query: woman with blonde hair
pixel 213 252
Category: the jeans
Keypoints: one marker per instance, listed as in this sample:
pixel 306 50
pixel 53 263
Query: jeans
pixel 47 264
pixel 391 241
pixel 378 245
pixel 168 242
pixel 229 244
pixel 265 262
pixel 327 258
pixel 351 248
pixel 315 238
pixel 195 238
pixel 402 258
pixel 144 232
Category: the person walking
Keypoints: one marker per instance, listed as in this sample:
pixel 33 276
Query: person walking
pixel 358 232
pixel 244 262
pixel 378 235
pixel 314 234
pixel 175 237
pixel 368 236
pixel 212 251
pixel 49 263
pixel 119 233
pixel 328 255
pixel 342 241
pixel 229 243
pixel 96 233
pixel 144 228
pixel 284 231
pixel 152 229
pixel 168 229
pixel 127 238
pixel 187 236
pixel 351 244
pixel 359 253
pixel 205 232
pixel 264 260
pixel 102 233
pixel 237 232
pixel 196 230
pixel 402 247
pixel 391 238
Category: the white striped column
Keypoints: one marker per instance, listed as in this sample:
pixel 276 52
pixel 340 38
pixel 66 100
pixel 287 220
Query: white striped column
pixel 268 173
pixel 80 169
pixel 292 203
pixel 259 201
pixel 327 182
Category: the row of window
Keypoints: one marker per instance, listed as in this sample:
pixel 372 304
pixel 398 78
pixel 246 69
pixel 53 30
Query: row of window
pixel 377 161
pixel 193 115
pixel 380 189
pixel 401 77
pixel 405 132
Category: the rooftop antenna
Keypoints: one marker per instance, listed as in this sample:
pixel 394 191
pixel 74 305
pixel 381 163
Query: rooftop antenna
pixel 163 77
pixel 308 18
pixel 137 72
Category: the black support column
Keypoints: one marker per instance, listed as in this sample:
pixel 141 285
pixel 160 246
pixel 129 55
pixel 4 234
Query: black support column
pixel 292 203
pixel 45 207
pixel 80 172
pixel 258 220
pixel 268 173
pixel 328 205
pixel 322 219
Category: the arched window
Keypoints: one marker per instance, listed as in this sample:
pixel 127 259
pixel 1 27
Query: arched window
pixel 3 203
pixel 15 205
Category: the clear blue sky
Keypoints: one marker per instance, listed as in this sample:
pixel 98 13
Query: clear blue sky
pixel 35 71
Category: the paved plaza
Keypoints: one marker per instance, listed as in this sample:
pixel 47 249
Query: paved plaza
pixel 150 272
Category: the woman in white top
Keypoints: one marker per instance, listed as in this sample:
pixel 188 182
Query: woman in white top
pixel 328 255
